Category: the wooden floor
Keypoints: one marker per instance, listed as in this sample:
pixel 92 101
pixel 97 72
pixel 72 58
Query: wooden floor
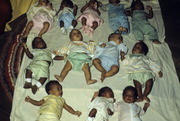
pixel 170 10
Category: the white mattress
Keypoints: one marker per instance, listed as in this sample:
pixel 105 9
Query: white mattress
pixel 165 98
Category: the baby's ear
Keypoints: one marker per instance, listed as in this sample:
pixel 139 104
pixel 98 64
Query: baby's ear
pixel 50 91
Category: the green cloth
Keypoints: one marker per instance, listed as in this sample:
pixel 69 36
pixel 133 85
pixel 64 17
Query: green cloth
pixel 78 59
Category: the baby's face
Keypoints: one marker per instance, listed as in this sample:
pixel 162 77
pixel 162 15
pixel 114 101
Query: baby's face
pixel 39 43
pixel 76 35
pixel 137 49
pixel 56 90
pixel 109 95
pixel 128 97
pixel 117 39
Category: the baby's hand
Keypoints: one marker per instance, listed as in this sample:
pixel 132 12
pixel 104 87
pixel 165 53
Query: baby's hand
pixel 110 112
pixel 56 52
pixel 27 99
pixel 149 7
pixel 75 7
pixel 95 94
pixel 78 113
pixel 146 105
pixel 160 74
pixel 65 56
pixel 103 45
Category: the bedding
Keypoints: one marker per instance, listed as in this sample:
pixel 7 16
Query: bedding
pixel 165 98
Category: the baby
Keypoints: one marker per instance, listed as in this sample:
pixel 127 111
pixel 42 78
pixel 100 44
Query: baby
pixel 102 105
pixel 39 66
pixel 128 110
pixel 142 70
pixel 140 24
pixel 117 18
pixel 107 58
pixel 79 57
pixel 53 104
pixel 90 17
pixel 67 13
pixel 40 18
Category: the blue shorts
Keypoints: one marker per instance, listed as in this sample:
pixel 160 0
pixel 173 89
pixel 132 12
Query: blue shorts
pixel 108 62
pixel 67 18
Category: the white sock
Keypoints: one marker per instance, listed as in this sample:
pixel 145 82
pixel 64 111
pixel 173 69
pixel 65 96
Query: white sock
pixel 63 30
pixel 90 119
pixel 38 84
pixel 70 29
pixel 28 80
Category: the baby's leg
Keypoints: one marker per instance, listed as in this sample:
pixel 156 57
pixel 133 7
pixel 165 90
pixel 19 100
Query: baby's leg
pixel 38 84
pixel 87 74
pixel 148 88
pixel 27 29
pixel 44 29
pixel 92 113
pixel 28 83
pixel 95 25
pixel 114 70
pixel 98 66
pixel 74 23
pixel 64 72
pixel 138 87
pixel 83 21
pixel 61 24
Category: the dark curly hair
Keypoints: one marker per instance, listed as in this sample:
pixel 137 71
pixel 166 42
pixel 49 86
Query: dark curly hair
pixel 145 48
pixel 50 83
pixel 104 90
pixel 130 88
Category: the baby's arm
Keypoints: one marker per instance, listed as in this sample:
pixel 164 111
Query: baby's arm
pixel 110 112
pixel 122 55
pixel 155 68
pixel 28 53
pixel 146 105
pixel 75 8
pixel 128 12
pixel 84 7
pixel 150 14
pixel 34 102
pixel 71 110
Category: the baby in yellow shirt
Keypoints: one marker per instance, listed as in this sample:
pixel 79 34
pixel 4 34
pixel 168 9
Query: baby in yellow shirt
pixel 53 104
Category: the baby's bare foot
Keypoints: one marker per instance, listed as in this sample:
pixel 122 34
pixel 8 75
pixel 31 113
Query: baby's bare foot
pixel 146 99
pixel 103 76
pixel 58 78
pixel 91 81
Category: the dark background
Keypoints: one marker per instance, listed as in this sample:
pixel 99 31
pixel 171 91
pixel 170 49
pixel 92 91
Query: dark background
pixel 171 16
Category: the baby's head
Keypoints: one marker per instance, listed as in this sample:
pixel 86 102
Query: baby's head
pixel 129 94
pixel 75 35
pixel 53 87
pixel 140 48
pixel 137 5
pixel 93 3
pixel 67 3
pixel 38 43
pixel 106 92
pixel 43 2
pixel 114 1
pixel 115 37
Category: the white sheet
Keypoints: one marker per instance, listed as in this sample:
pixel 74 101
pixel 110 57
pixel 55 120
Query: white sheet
pixel 165 98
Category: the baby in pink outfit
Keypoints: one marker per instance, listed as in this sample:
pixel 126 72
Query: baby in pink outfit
pixel 90 17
